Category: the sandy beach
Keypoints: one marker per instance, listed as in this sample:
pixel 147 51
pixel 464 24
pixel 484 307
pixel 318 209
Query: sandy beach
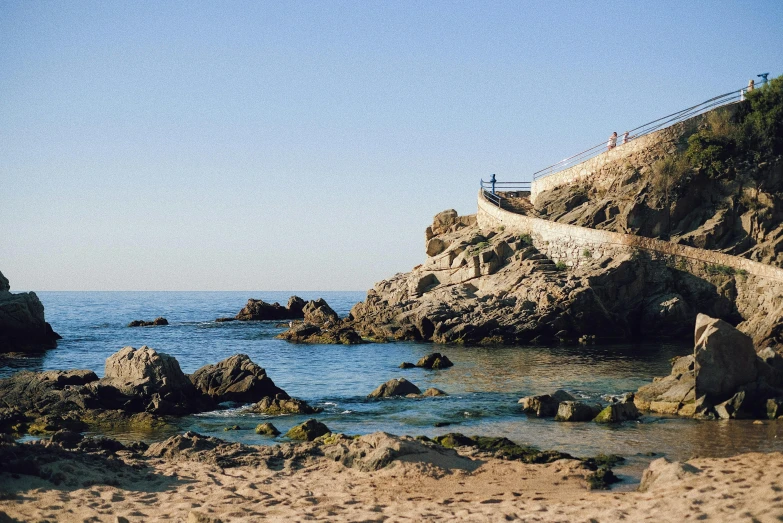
pixel 310 482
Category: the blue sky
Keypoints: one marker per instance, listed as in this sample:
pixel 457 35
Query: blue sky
pixel 306 145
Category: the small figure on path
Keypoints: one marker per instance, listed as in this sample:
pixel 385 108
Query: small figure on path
pixel 751 85
pixel 626 139
pixel 612 143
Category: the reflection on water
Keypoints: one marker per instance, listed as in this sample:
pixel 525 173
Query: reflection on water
pixel 484 384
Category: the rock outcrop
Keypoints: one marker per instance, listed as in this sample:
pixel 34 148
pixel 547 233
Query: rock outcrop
pixel 395 387
pixel 139 380
pixel 156 322
pixel 545 405
pixel 23 327
pixel 259 310
pixel 237 379
pixel 724 378
pixel 493 287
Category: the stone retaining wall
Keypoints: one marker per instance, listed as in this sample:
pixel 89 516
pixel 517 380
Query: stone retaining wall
pixel 572 244
pixel 655 142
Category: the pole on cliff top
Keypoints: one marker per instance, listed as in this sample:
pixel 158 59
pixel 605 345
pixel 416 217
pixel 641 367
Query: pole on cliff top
pixel 763 77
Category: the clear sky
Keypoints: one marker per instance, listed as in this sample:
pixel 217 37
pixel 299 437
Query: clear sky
pixel 306 145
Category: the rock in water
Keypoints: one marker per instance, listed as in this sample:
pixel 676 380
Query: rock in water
pixel 436 360
pixel 235 379
pixel 280 405
pixel 319 312
pixel 141 323
pixel 544 405
pixel 146 380
pixel 621 411
pixel 308 431
pixel 395 387
pixel 432 392
pixel 22 323
pixel 725 358
pixel 259 310
pixel 267 429
pixel 576 411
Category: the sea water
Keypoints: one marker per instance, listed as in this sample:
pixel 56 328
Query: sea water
pixel 484 384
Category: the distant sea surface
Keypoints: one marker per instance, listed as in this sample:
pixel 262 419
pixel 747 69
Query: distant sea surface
pixel 483 386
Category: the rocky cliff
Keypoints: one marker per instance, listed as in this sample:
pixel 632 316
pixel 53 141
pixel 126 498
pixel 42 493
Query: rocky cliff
pixel 22 323
pixel 489 286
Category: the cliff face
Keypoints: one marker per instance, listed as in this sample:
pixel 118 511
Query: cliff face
pixel 715 182
pixel 22 323
pixel 488 286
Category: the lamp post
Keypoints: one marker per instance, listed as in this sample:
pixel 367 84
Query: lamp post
pixel 763 77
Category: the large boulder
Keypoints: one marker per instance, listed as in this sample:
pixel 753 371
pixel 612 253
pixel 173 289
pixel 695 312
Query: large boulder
pixel 235 379
pixel 395 387
pixel 724 359
pixel 143 379
pixel 319 312
pixel 22 323
pixel 544 405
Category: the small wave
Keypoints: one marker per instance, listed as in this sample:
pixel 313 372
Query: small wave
pixel 330 403
pixel 347 412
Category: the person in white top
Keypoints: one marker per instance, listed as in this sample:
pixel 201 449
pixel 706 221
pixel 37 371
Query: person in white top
pixel 625 137
pixel 612 143
pixel 751 85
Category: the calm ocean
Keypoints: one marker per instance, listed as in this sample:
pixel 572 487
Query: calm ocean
pixel 483 386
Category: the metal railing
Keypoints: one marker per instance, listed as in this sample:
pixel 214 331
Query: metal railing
pixel 494 190
pixel 642 130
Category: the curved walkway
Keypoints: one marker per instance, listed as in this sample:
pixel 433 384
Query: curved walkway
pixel 573 244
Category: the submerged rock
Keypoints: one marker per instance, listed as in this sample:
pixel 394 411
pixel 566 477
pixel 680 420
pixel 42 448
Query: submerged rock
pixel 237 379
pixel 501 448
pixel 395 387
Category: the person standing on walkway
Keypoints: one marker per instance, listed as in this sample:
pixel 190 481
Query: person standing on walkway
pixel 751 85
pixel 625 137
pixel 612 143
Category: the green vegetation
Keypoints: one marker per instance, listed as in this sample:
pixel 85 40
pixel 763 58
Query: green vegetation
pixel 526 239
pixel 720 269
pixel 561 266
pixel 587 253
pixel 501 448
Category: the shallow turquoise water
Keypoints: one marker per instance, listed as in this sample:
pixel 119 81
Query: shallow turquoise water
pixel 484 384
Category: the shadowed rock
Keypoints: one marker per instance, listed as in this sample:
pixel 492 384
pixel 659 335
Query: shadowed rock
pixel 22 324
pixel 235 379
